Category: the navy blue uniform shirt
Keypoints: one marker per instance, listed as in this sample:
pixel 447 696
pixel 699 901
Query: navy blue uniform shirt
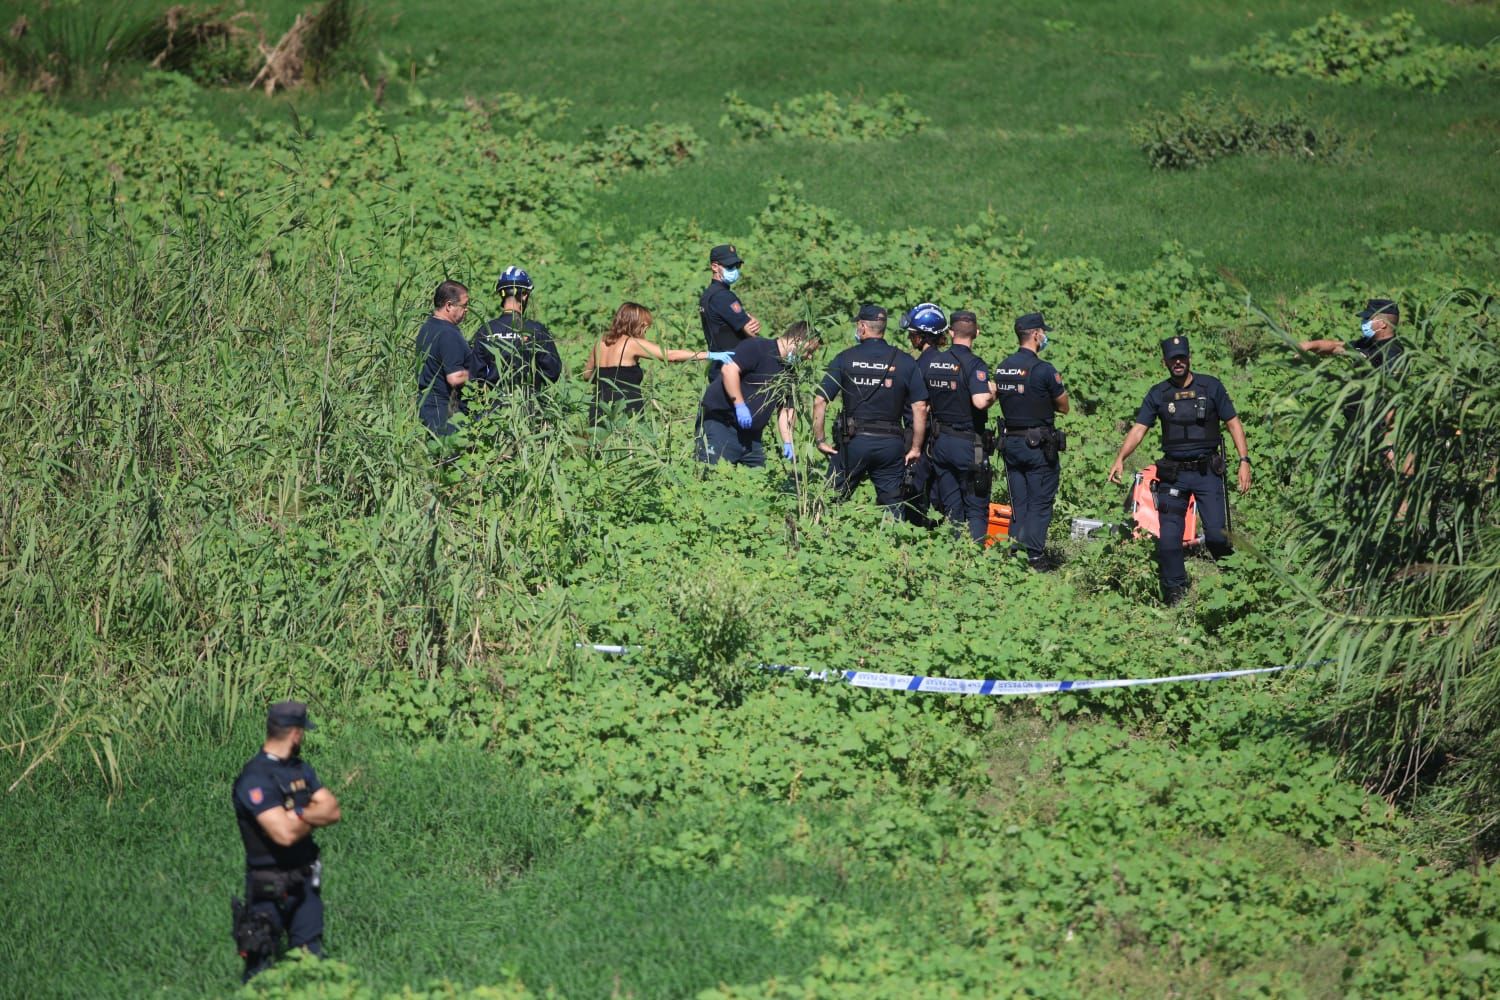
pixel 1381 354
pixel 1027 385
pixel 512 358
pixel 723 317
pixel 1189 430
pixel 877 381
pixel 953 378
pixel 268 782
pixel 443 350
pixel 759 361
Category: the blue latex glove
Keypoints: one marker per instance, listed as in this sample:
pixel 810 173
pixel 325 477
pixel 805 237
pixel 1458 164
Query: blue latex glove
pixel 742 416
pixel 786 451
pixel 722 357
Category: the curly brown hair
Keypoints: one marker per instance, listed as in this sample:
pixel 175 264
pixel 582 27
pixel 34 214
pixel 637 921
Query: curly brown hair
pixel 631 320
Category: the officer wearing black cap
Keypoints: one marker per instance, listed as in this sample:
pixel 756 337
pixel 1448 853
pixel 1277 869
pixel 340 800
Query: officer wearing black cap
pixel 959 390
pixel 1190 407
pixel 1376 342
pixel 876 382
pixel 515 355
pixel 278 802
pixel 725 321
pixel 1031 394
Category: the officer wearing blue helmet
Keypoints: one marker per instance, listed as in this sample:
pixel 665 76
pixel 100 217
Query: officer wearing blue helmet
pixel 926 329
pixel 725 321
pixel 1190 407
pixel 959 390
pixel 1031 394
pixel 515 355
pixel 876 381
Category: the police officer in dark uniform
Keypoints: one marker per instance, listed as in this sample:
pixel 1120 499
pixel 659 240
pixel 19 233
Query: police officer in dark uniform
pixel 1190 407
pixel 516 355
pixel 876 381
pixel 725 321
pixel 959 390
pixel 926 329
pixel 278 802
pixel 1031 394
pixel 446 359
pixel 1376 342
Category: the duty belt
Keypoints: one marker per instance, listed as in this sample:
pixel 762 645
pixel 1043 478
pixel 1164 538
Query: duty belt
pixel 878 428
pixel 943 428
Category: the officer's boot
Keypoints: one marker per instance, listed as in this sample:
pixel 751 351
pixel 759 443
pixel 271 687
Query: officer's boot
pixel 1172 596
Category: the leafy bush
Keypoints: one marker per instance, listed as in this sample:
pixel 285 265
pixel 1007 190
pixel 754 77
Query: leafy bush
pixel 822 116
pixel 1400 520
pixel 1205 128
pixel 1344 50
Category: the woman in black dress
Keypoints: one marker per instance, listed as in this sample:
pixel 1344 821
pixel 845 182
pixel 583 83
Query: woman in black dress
pixel 614 363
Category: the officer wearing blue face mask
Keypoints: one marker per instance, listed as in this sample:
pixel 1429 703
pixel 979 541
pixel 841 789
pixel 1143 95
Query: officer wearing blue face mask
pixel 725 321
pixel 1376 342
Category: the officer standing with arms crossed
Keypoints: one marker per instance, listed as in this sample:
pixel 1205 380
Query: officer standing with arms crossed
pixel 877 381
pixel 959 390
pixel 1031 394
pixel 278 802
pixel 514 354
pixel 1190 406
pixel 725 321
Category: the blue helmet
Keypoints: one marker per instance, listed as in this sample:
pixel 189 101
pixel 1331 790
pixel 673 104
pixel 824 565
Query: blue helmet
pixel 906 320
pixel 512 281
pixel 928 320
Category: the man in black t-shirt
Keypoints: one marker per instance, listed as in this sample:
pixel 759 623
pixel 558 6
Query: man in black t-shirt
pixel 876 382
pixel 746 393
pixel 278 802
pixel 1190 406
pixel 445 359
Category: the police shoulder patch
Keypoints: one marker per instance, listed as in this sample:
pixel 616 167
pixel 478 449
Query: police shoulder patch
pixel 1057 377
pixel 735 306
pixel 980 374
pixel 257 796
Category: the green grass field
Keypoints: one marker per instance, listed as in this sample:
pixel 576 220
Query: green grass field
pixel 218 496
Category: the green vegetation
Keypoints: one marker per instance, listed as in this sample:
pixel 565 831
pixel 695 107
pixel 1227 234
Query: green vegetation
pixel 1205 128
pixel 219 495
pixel 822 116
pixel 1343 50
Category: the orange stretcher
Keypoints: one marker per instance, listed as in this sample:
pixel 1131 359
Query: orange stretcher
pixel 999 523
pixel 1141 506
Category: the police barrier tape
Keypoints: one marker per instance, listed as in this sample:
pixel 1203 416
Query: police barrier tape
pixel 997 688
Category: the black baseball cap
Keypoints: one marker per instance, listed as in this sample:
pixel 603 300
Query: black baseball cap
pixel 289 713
pixel 1031 321
pixel 1174 347
pixel 725 254
pixel 871 313
pixel 1377 307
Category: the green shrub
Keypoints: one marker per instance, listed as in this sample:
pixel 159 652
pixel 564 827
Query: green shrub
pixel 822 116
pixel 1205 128
pixel 1344 50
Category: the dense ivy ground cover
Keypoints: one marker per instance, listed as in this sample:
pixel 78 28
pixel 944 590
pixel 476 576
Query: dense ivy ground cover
pixel 220 495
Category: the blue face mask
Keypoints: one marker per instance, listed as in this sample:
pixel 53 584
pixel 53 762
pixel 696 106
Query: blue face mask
pixel 1367 329
pixel 856 334
pixel 731 275
pixel 1042 346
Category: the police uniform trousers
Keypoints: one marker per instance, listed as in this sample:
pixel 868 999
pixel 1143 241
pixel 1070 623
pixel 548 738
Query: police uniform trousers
pixel 721 442
pixel 298 915
pixel 877 457
pixel 1171 511
pixel 954 473
pixel 1033 489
